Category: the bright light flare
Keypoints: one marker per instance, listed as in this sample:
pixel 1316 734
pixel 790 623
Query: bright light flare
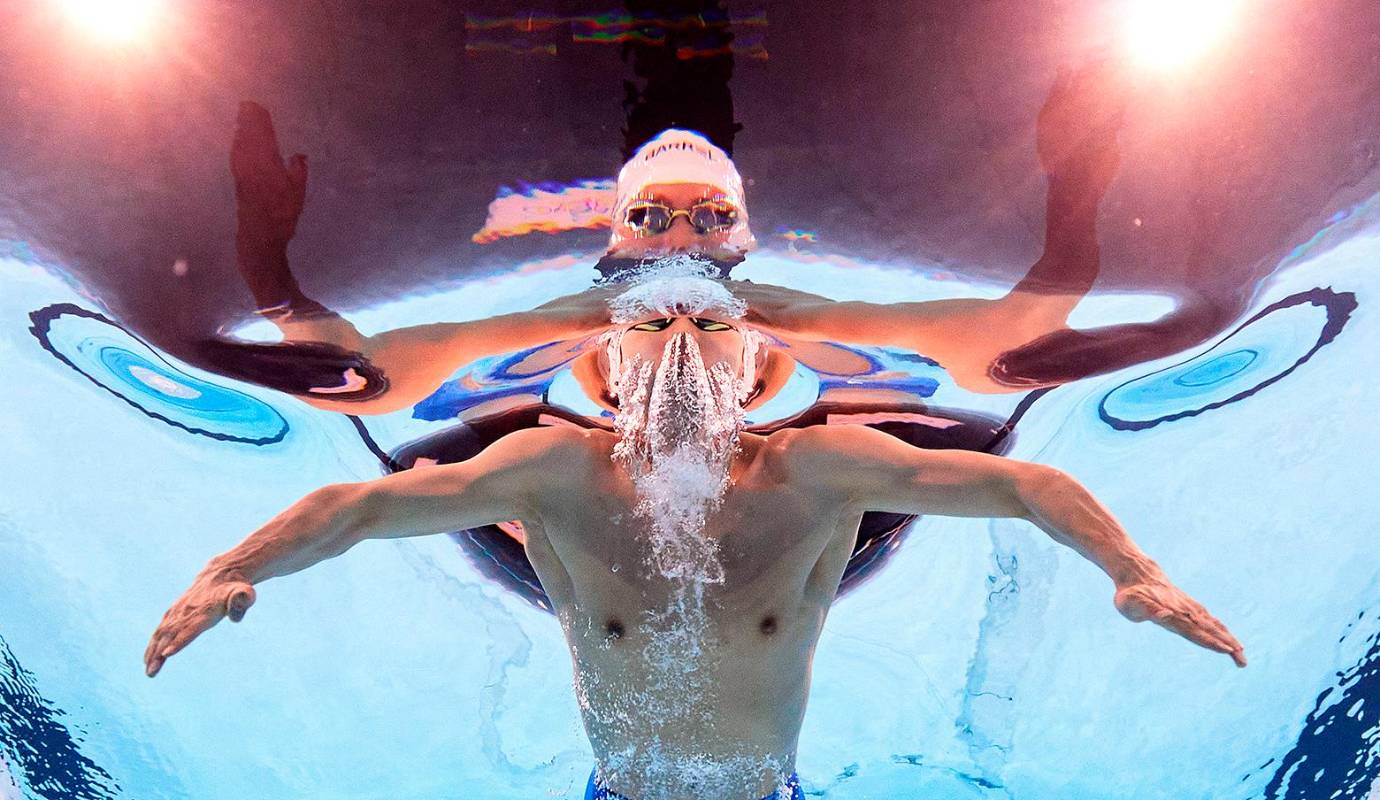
pixel 115 21
pixel 1164 34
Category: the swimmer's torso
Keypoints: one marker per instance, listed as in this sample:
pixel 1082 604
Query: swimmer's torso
pixel 783 542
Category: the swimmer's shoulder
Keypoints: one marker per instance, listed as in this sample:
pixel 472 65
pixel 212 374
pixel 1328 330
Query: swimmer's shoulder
pixel 793 447
pixel 816 439
pixel 819 451
pixel 561 448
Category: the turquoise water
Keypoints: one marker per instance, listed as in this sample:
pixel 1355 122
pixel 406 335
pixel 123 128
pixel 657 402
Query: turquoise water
pixel 983 661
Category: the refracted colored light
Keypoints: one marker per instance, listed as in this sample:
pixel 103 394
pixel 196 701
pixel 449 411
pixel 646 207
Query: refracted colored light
pixel 1168 33
pixel 547 208
pixel 112 20
pixel 709 36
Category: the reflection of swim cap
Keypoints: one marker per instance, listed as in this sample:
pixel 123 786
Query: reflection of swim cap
pixel 681 156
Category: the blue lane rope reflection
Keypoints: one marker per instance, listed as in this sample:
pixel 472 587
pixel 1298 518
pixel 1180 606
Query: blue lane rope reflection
pixel 1263 350
pixel 129 368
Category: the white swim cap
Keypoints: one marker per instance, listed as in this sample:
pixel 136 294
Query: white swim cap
pixel 681 156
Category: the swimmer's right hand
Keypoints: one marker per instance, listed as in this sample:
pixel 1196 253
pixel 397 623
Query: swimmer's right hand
pixel 269 194
pixel 215 594
pixel 1076 133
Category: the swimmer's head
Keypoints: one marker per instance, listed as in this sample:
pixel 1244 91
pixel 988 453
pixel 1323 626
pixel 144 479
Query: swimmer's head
pixel 680 411
pixel 680 193
pixel 715 341
pixel 652 313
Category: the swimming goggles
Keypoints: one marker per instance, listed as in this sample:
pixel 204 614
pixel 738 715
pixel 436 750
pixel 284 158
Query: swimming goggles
pixel 708 325
pixel 708 216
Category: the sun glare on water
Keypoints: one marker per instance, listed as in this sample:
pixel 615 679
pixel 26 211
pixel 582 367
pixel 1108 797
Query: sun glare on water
pixel 1165 34
pixel 114 21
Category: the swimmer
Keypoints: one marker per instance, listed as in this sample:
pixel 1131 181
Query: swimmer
pixel 681 194
pixel 691 563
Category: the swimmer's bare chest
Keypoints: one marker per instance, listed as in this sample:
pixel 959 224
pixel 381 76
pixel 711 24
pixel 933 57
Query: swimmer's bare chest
pixel 782 542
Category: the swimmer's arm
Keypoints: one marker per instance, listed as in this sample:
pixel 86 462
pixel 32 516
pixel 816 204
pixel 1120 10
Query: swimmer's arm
pixel 965 335
pixel 416 360
pixel 324 358
pixel 491 487
pixel 886 474
pixel 879 472
pixel 1077 143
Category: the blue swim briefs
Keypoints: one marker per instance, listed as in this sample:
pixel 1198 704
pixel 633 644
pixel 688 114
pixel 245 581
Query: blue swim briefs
pixel 596 792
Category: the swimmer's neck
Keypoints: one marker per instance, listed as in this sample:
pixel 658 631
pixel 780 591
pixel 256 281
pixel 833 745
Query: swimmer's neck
pixel 750 447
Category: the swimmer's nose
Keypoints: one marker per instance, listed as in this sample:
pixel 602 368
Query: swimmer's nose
pixel 681 235
pixel 680 344
pixel 679 350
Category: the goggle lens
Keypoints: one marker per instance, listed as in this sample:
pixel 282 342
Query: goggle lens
pixel 650 219
pixel 711 218
pixel 654 218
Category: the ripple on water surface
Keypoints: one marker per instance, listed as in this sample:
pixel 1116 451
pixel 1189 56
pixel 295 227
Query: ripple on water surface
pixel 1263 350
pixel 130 369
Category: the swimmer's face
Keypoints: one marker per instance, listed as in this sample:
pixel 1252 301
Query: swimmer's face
pixel 681 236
pixel 720 340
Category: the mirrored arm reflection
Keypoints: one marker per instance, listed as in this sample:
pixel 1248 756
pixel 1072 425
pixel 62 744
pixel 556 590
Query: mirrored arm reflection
pixel 1021 340
pixel 323 357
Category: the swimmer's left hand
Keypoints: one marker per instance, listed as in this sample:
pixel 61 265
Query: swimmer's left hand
pixel 1076 133
pixel 1154 598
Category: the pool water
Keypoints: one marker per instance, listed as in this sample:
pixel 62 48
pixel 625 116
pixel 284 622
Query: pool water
pixel 982 661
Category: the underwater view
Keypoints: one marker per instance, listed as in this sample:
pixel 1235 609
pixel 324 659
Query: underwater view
pixel 689 399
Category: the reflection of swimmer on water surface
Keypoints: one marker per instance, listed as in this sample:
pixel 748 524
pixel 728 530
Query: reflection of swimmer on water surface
pixel 679 193
pixel 691 563
pixel 324 354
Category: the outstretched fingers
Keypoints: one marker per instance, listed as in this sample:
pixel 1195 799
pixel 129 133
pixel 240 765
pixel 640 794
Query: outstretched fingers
pixel 192 615
pixel 168 639
pixel 172 635
pixel 171 644
pixel 1203 629
pixel 1167 606
pixel 152 660
pixel 256 143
